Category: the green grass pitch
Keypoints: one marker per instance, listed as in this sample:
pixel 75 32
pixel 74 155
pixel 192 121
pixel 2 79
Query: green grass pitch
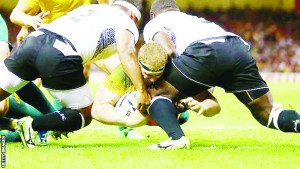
pixel 230 140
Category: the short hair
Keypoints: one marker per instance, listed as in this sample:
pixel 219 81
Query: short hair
pixel 136 3
pixel 159 6
pixel 135 6
pixel 153 56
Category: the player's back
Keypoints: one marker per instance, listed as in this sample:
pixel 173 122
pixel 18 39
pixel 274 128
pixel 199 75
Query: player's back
pixel 92 29
pixel 118 81
pixel 183 28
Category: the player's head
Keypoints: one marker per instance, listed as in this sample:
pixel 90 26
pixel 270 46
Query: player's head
pixel 133 7
pixel 152 58
pixel 160 6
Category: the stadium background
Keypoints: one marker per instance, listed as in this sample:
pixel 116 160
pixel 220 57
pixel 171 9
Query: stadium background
pixel 232 139
pixel 270 26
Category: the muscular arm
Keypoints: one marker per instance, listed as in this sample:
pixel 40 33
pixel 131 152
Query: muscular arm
pixel 164 39
pixel 24 15
pixel 104 110
pixel 204 104
pixel 128 59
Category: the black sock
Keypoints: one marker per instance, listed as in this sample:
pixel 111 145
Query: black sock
pixel 62 120
pixel 18 109
pixel 289 121
pixel 32 95
pixel 164 113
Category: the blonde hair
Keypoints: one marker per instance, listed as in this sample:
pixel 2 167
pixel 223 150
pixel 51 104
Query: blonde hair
pixel 153 56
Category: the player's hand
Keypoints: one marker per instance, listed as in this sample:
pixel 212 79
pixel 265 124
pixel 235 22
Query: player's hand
pixel 22 35
pixel 35 21
pixel 181 107
pixel 143 101
pixel 194 105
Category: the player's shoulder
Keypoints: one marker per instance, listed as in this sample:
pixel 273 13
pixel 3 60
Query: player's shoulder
pixel 119 72
pixel 118 81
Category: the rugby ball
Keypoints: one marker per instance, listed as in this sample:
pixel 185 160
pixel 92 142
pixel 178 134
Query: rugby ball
pixel 127 107
pixel 127 104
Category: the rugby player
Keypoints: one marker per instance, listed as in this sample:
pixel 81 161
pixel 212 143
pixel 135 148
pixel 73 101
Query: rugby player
pixel 205 55
pixel 56 53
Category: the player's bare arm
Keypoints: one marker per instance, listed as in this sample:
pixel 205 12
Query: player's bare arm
pixel 128 58
pixel 203 104
pixel 164 39
pixel 27 16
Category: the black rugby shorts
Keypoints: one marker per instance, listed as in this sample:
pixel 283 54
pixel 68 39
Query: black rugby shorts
pixel 37 58
pixel 228 65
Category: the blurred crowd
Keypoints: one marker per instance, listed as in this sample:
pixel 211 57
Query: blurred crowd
pixel 274 35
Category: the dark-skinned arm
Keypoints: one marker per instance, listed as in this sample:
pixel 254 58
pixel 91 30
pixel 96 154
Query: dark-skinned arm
pixel 128 58
pixel 164 39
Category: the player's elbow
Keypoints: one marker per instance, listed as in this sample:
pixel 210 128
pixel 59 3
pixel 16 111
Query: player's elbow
pixel 96 112
pixel 13 16
pixel 212 111
pixel 136 120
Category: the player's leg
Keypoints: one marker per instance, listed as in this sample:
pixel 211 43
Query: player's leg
pixel 65 81
pixel 252 91
pixel 165 114
pixel 75 115
pixel 271 115
pixel 8 124
pixel 10 136
pixel 32 95
pixel 67 119
pixel 18 109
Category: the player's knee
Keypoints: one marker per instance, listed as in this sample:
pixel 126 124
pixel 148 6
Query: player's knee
pixel 86 114
pixel 248 97
pixel 98 112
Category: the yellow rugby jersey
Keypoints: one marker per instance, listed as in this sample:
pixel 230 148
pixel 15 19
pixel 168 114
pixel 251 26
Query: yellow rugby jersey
pixel 57 8
pixel 118 81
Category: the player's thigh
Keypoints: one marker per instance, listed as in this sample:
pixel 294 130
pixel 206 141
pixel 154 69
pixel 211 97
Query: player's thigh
pixel 77 98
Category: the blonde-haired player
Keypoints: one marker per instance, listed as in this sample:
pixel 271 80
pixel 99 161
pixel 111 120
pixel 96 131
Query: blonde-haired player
pixel 152 58
pixel 118 83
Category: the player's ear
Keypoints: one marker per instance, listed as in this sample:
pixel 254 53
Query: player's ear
pixel 133 17
pixel 152 15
